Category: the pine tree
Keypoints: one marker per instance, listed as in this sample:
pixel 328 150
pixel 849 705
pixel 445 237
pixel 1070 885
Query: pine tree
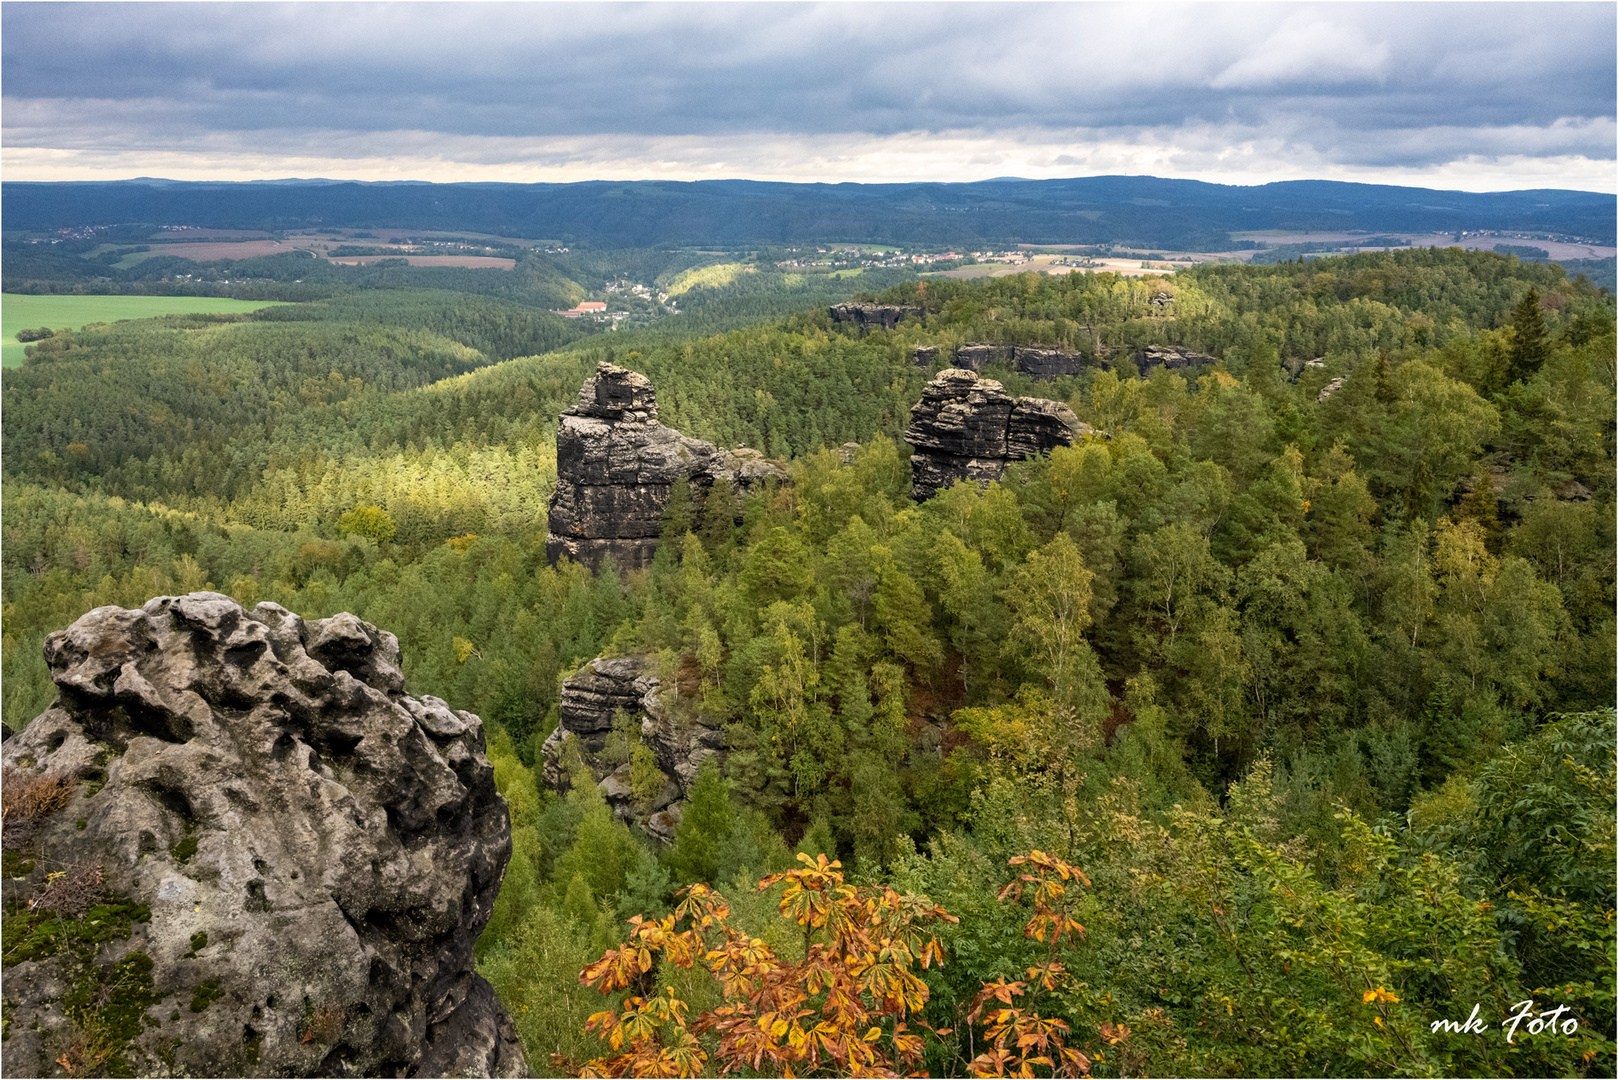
pixel 1530 345
pixel 1381 371
pixel 708 820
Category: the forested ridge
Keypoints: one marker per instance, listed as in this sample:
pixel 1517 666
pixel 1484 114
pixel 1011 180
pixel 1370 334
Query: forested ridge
pixel 1290 692
pixel 1133 210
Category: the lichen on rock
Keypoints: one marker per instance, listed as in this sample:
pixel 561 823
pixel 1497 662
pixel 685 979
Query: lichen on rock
pixel 279 835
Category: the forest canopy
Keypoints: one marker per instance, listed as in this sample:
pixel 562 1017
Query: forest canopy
pixel 1297 678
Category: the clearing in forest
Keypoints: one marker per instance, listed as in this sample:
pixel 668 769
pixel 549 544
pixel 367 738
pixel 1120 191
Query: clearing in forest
pixel 26 312
pixel 712 277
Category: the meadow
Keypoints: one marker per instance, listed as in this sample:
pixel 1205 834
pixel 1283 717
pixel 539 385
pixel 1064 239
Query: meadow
pixel 73 312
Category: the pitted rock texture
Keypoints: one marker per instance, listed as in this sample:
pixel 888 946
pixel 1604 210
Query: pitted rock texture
pixel 967 428
pixel 589 703
pixel 866 316
pixel 616 467
pixel 317 852
pixel 1035 361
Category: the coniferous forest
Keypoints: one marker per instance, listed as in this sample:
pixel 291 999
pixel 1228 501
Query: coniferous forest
pixel 1262 732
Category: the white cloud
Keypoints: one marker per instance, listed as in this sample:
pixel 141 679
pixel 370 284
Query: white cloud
pixel 1306 49
pixel 1556 157
pixel 965 90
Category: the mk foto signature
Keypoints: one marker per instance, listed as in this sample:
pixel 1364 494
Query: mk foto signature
pixel 1549 1022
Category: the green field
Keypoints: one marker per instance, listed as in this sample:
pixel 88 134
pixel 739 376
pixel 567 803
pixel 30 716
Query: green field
pixel 18 312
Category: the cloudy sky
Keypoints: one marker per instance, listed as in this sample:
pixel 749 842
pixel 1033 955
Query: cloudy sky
pixel 1480 97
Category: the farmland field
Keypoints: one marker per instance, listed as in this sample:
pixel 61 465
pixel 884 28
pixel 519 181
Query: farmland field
pixel 19 312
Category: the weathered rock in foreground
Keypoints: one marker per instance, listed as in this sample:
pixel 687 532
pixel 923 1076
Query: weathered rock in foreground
pixel 616 467
pixel 865 316
pixel 967 428
pixel 590 701
pixel 271 860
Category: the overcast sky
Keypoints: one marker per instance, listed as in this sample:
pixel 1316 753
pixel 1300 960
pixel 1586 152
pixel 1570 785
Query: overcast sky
pixel 1479 97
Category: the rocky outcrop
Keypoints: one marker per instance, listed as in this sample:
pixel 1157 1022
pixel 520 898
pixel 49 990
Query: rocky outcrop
pixel 1170 356
pixel 616 467
pixel 1035 361
pixel 235 847
pixel 591 702
pixel 975 356
pixel 924 356
pixel 967 428
pixel 866 316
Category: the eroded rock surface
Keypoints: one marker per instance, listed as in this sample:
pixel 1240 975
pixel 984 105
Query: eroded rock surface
pixel 590 702
pixel 968 428
pixel 284 860
pixel 616 466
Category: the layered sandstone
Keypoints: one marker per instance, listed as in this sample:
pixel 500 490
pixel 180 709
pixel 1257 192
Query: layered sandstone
pixel 1035 361
pixel 867 316
pixel 616 466
pixel 968 428
pixel 591 701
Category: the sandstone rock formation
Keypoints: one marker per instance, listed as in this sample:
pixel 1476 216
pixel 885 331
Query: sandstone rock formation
pixel 616 466
pixel 975 356
pixel 235 847
pixel 865 316
pixel 1170 356
pixel 924 356
pixel 590 701
pixel 967 428
pixel 1036 361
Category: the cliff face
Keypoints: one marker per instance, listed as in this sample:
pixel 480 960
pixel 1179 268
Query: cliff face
pixel 616 466
pixel 1035 361
pixel 866 316
pixel 590 700
pixel 967 428
pixel 1045 362
pixel 268 859
pixel 1170 356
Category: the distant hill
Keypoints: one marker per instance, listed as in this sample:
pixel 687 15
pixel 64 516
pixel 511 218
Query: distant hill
pixel 1136 210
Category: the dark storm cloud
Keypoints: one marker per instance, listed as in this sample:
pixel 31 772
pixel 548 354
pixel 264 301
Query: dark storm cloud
pixel 545 70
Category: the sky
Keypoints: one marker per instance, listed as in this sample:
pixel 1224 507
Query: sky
pixel 1477 97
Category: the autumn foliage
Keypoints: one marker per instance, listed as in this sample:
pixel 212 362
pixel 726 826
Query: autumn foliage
pixel 851 1006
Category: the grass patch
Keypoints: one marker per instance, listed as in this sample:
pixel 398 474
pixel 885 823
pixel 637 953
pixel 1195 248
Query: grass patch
pixel 24 312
